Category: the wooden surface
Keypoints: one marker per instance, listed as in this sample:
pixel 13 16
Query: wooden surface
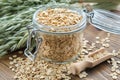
pixel 100 72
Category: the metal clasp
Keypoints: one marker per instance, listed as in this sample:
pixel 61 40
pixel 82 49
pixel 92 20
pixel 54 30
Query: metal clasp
pixel 38 40
pixel 89 12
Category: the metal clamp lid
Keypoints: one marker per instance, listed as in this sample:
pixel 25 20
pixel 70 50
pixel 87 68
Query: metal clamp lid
pixel 29 50
pixel 104 20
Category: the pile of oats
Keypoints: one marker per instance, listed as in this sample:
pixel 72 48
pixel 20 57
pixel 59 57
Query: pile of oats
pixel 40 70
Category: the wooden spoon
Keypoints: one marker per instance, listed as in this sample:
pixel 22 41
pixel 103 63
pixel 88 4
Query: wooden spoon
pixel 93 59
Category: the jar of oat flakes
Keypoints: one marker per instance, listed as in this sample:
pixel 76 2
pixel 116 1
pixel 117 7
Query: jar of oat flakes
pixel 58 31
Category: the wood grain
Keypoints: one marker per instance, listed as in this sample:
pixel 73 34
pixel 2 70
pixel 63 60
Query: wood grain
pixel 100 72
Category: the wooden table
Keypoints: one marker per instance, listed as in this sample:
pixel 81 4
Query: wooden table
pixel 100 72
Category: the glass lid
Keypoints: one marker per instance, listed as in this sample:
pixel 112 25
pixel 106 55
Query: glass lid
pixel 104 20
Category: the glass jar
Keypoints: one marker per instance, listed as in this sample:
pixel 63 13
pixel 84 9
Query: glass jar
pixel 65 44
pixel 60 46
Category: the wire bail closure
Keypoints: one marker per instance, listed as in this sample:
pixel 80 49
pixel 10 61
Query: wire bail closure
pixel 32 35
pixel 89 12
